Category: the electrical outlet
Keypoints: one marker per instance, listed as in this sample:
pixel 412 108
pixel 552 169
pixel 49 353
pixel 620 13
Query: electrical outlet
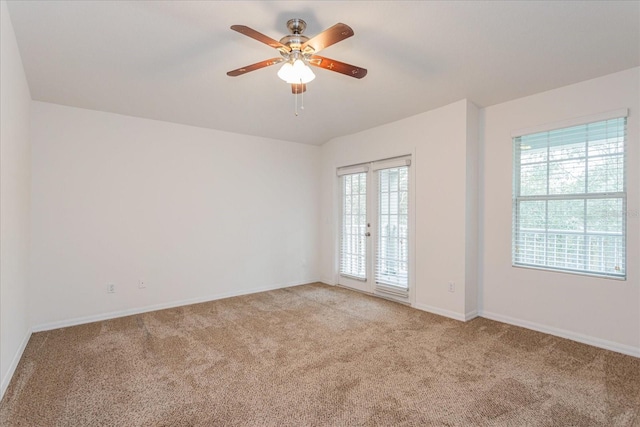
pixel 141 284
pixel 452 287
pixel 111 288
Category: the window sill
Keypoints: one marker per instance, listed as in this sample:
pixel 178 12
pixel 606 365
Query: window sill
pixel 570 272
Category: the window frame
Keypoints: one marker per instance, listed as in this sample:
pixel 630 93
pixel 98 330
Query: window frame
pixel 582 254
pixel 398 283
pixel 351 172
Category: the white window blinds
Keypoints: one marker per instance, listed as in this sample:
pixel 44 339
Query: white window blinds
pixel 353 241
pixel 392 245
pixel 569 198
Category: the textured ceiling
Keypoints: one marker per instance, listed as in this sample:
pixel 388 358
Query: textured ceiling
pixel 168 60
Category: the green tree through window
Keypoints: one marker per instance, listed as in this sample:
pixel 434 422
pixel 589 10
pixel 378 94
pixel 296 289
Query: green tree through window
pixel 569 199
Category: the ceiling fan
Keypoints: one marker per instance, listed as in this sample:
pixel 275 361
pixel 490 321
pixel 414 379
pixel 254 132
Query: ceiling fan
pixel 298 52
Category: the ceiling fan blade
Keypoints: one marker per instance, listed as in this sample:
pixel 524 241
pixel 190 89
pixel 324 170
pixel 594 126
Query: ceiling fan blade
pixel 337 66
pixel 253 67
pixel 250 32
pixel 297 88
pixel 326 38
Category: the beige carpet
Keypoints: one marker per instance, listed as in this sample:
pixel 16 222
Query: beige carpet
pixel 315 355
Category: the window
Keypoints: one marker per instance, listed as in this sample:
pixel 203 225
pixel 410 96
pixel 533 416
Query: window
pixel 353 238
pixel 569 198
pixel 393 227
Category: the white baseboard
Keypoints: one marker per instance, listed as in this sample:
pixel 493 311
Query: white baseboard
pixel 470 315
pixel 563 333
pixel 14 364
pixel 328 281
pixel 442 312
pixel 138 310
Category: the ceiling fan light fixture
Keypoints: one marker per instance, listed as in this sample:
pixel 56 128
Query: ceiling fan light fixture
pixel 286 71
pixel 296 73
pixel 303 71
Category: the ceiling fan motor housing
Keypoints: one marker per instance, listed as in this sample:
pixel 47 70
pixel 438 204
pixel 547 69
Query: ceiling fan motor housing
pixel 296 25
pixel 295 40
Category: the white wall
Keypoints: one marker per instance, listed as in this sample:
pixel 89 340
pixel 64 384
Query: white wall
pixel 15 101
pixel 604 312
pixel 438 139
pixel 471 205
pixel 196 213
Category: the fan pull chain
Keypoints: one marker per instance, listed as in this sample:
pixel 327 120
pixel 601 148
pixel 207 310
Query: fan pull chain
pixel 298 91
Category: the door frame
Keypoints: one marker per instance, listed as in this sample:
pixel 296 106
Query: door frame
pixel 366 285
pixel 369 286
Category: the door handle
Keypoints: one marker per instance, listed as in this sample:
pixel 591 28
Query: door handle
pixel 367 234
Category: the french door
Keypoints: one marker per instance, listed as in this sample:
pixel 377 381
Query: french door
pixel 374 227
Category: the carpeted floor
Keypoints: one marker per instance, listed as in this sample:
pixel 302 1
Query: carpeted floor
pixel 315 355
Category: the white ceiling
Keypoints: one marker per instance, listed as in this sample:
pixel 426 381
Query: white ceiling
pixel 168 60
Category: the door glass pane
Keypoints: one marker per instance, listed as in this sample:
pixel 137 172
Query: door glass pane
pixel 393 227
pixel 353 244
